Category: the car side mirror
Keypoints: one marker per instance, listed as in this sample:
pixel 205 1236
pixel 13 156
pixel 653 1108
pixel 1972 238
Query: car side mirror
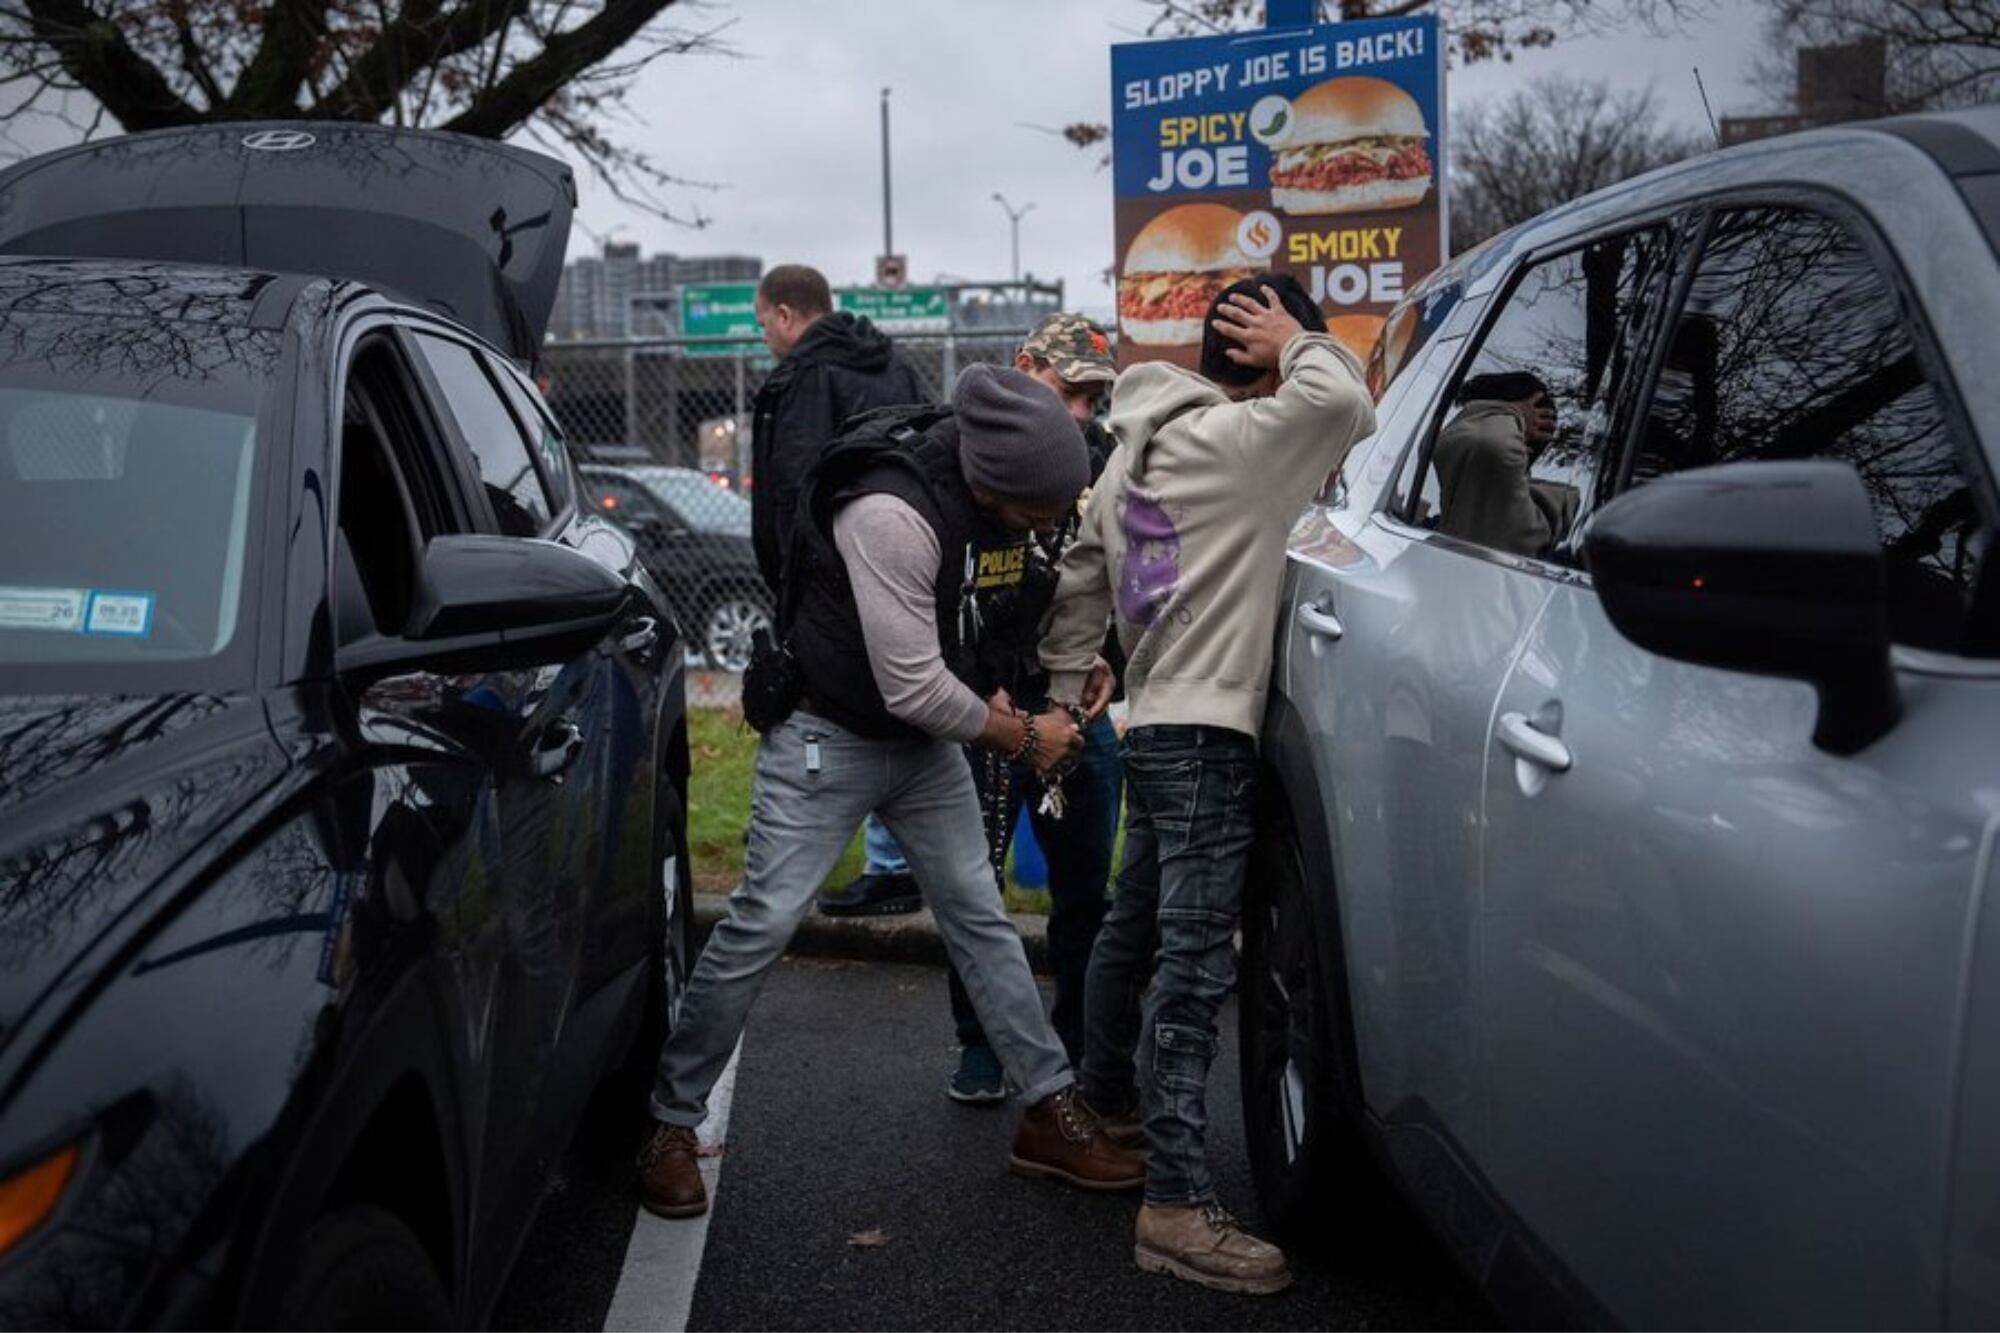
pixel 486 601
pixel 1770 568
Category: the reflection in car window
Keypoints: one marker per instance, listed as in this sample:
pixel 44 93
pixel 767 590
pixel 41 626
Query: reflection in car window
pixel 512 485
pixel 541 428
pixel 127 450
pixel 701 504
pixel 1515 461
pixel 620 500
pixel 1791 346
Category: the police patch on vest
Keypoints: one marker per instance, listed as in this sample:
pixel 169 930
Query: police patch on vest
pixel 1002 568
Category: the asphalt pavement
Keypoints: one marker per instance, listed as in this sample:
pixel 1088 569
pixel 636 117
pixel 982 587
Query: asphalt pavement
pixel 840 1130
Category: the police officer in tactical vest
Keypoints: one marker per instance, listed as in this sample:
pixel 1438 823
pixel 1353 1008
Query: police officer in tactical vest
pixel 883 639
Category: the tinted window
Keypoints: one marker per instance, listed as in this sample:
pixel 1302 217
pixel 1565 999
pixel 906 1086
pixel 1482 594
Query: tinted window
pixel 520 504
pixel 1791 345
pixel 548 440
pixel 1515 460
pixel 128 454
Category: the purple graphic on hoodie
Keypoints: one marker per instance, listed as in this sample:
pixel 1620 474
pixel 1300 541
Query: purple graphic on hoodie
pixel 1152 559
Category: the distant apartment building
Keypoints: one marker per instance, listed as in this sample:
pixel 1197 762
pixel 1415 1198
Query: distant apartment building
pixel 1835 84
pixel 621 294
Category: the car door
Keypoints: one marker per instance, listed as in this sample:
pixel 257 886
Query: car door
pixel 1722 965
pixel 433 751
pixel 544 717
pixel 1403 636
pixel 621 762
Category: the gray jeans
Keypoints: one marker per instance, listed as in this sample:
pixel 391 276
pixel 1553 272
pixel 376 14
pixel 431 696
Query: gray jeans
pixel 812 786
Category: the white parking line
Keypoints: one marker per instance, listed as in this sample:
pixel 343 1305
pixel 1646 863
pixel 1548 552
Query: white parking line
pixel 663 1258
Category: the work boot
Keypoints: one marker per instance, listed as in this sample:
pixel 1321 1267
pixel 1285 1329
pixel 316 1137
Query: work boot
pixel 1117 1121
pixel 1205 1244
pixel 873 895
pixel 669 1174
pixel 1059 1139
pixel 978 1080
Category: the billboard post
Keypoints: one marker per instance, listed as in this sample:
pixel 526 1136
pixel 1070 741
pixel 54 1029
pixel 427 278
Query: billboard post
pixel 1316 151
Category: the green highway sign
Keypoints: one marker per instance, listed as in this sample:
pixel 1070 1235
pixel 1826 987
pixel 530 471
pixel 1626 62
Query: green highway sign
pixel 901 310
pixel 719 310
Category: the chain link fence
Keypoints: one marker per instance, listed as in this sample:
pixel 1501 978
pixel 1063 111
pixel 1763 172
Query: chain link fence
pixel 661 429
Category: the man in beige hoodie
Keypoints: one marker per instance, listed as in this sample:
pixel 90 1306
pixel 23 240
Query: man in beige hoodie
pixel 1484 460
pixel 1184 543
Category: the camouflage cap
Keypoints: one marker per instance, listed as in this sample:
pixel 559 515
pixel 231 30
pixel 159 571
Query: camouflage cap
pixel 1079 350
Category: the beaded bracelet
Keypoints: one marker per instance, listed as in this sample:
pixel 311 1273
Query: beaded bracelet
pixel 1030 741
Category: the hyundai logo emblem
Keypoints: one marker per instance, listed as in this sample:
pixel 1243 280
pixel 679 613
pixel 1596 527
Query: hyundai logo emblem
pixel 278 141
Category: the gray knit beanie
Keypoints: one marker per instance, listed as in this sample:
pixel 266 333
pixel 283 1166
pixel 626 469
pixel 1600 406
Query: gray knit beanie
pixel 1015 438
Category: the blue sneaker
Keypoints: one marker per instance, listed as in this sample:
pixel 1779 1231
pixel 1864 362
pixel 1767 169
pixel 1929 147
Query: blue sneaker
pixel 977 1081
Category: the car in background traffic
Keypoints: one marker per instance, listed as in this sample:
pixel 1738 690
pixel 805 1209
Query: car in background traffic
pixel 1629 885
pixel 695 537
pixel 343 761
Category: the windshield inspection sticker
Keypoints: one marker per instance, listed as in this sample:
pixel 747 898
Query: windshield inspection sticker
pixel 116 612
pixel 59 609
pixel 129 614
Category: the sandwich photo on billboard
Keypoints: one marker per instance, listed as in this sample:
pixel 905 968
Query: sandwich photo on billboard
pixel 1356 332
pixel 1174 268
pixel 1355 144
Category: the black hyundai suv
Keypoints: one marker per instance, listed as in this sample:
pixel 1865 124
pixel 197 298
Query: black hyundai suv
pixel 342 752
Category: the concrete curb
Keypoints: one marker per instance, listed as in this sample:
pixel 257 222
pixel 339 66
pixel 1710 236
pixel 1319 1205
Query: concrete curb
pixel 909 938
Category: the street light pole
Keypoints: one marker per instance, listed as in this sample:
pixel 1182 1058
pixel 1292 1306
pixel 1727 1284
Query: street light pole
pixel 1014 216
pixel 888 237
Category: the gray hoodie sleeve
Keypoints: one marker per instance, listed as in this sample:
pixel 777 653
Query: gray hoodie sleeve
pixel 892 561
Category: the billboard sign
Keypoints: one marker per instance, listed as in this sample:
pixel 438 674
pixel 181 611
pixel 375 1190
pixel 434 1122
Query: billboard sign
pixel 1316 151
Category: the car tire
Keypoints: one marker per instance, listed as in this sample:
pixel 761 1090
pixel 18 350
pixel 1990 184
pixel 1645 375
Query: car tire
pixel 362 1268
pixel 728 619
pixel 1305 1149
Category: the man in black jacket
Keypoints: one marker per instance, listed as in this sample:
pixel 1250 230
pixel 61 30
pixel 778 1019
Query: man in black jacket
pixel 831 367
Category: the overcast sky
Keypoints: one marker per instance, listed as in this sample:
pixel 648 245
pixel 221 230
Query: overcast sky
pixel 790 129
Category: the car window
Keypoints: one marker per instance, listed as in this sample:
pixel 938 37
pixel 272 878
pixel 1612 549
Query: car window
pixel 1513 460
pixel 486 424
pixel 547 437
pixel 128 462
pixel 1791 344
pixel 391 497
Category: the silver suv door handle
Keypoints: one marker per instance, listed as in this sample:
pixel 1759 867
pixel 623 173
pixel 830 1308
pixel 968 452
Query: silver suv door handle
pixel 1525 741
pixel 1321 623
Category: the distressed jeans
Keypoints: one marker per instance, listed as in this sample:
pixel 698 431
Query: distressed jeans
pixel 812 785
pixel 1189 797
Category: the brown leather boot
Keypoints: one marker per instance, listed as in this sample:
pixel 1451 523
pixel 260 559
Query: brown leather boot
pixel 1121 1126
pixel 1058 1138
pixel 670 1175
pixel 1205 1244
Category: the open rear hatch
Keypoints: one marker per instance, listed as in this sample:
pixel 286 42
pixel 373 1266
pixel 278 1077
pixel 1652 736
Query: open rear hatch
pixel 473 229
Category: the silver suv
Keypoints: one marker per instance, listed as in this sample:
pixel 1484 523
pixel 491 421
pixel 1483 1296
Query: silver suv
pixel 1635 756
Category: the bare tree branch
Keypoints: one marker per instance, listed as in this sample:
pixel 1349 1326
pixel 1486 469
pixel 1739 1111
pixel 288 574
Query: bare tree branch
pixel 293 30
pixel 1556 140
pixel 484 67
pixel 94 53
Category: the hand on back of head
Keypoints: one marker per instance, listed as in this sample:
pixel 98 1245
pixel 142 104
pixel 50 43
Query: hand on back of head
pixel 1250 323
